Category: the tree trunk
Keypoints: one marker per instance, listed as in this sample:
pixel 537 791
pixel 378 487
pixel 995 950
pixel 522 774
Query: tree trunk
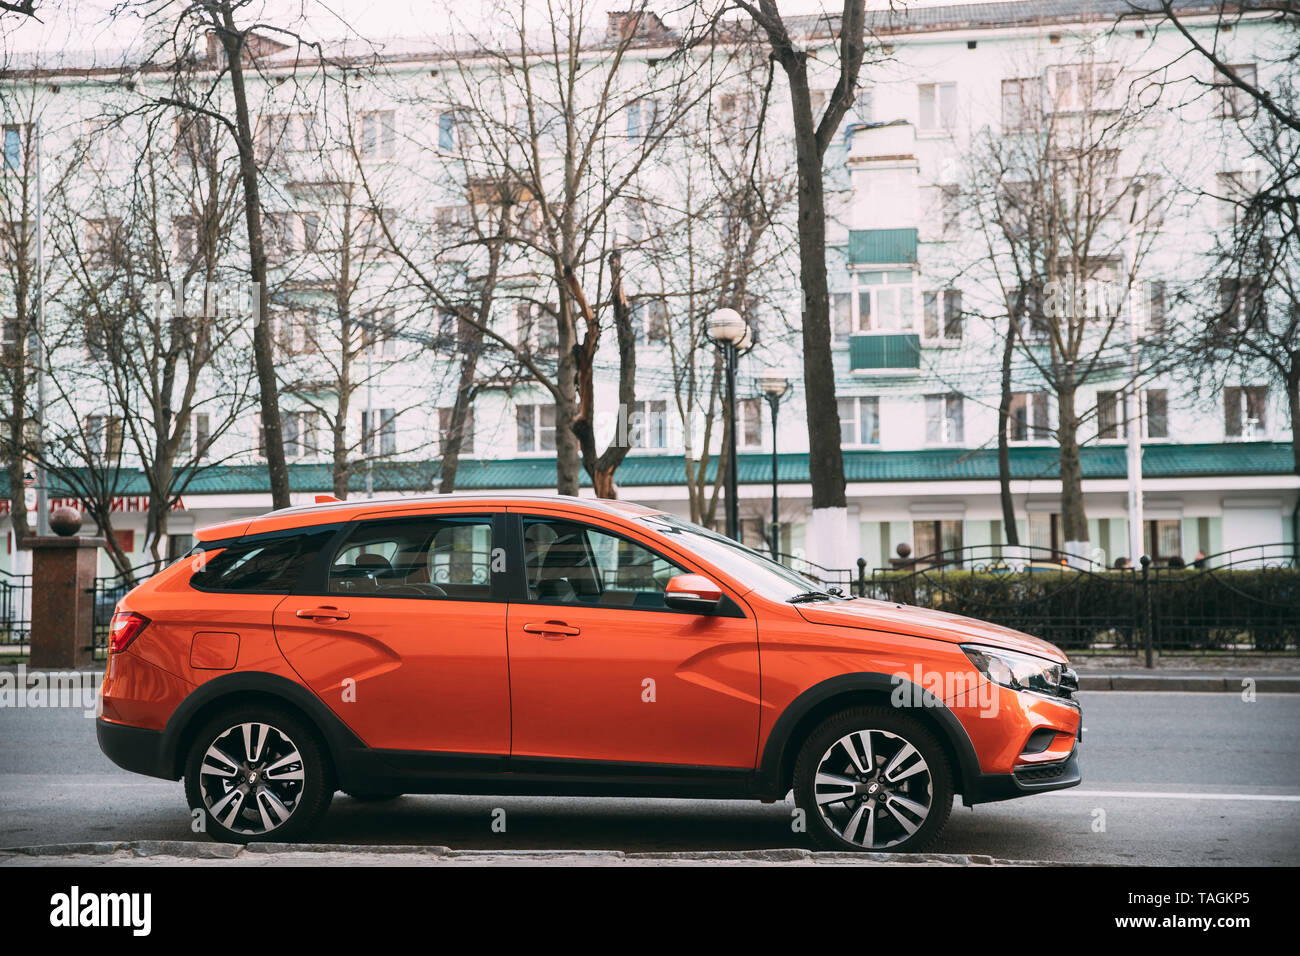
pixel 568 453
pixel 1293 407
pixel 1010 531
pixel 825 460
pixel 273 439
pixel 470 346
pixel 1074 520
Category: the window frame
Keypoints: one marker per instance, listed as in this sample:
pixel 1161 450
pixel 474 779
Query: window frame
pixel 316 579
pixel 727 608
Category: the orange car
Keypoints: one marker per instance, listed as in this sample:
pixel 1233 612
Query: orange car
pixel 548 645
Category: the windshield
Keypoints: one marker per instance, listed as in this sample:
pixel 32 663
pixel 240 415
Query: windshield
pixel 744 564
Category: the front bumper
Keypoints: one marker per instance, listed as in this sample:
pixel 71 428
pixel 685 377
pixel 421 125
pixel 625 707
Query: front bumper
pixel 134 748
pixel 1035 778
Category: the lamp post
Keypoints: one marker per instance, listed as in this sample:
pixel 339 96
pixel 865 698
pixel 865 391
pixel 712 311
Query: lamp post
pixel 774 386
pixel 1132 401
pixel 728 330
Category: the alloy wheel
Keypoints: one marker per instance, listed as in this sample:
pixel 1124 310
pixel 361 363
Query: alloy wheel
pixel 251 778
pixel 873 789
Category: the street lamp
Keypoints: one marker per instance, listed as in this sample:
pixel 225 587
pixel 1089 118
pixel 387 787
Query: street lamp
pixel 728 330
pixel 774 386
pixel 1132 401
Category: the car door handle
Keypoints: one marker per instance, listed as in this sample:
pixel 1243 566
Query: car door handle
pixel 323 613
pixel 553 630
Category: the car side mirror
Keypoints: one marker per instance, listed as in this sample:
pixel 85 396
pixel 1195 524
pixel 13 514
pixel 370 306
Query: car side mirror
pixel 692 592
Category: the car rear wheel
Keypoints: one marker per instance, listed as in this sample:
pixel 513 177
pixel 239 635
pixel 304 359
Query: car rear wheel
pixel 871 779
pixel 257 773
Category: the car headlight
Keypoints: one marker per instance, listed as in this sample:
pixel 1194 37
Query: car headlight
pixel 1016 671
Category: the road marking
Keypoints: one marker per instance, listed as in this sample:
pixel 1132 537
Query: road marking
pixel 1180 795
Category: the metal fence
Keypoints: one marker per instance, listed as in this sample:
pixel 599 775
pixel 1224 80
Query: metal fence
pixel 1243 600
pixel 15 612
pixel 106 591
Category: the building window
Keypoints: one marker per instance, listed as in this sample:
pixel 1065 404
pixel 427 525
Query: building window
pixel 1235 191
pixel 535 428
pixel 938 106
pixel 859 420
pixel 193 133
pixel 445 416
pixel 1155 412
pixel 1111 421
pixel 1022 103
pixel 841 316
pixel 942 309
pixel 301 431
pixel 16 137
pixel 1153 322
pixel 1163 539
pixel 884 302
pixel 378 134
pixel 1110 415
pixel 1241 304
pixel 104 437
pixel 930 538
pixel 647 424
pixel 1245 411
pixel 1233 101
pixel 382 421
pixel 104 242
pixel 650 319
pixel 447 130
pixel 379 332
pixel 641 116
pixel 749 422
pixel 194 440
pixel 943 420
pixel 1028 419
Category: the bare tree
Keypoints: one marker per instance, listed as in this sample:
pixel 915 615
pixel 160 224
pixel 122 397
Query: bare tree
pixel 564 126
pixel 149 336
pixel 1248 317
pixel 812 137
pixel 208 56
pixel 1064 226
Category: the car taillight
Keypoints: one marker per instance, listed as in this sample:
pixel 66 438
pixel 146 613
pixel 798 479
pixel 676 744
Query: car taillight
pixel 123 629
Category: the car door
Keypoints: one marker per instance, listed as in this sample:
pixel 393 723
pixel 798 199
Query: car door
pixel 403 636
pixel 602 670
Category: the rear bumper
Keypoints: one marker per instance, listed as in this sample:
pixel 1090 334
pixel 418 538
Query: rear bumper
pixel 1038 778
pixel 134 748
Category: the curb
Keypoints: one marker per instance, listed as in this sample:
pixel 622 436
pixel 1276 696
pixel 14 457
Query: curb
pixel 125 853
pixel 1149 682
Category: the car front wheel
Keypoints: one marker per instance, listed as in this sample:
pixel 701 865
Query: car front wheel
pixel 257 773
pixel 872 779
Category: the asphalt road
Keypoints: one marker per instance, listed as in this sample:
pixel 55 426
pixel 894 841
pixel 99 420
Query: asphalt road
pixel 1179 779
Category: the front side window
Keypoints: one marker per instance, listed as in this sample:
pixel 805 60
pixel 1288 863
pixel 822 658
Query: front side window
pixel 424 557
pixel 269 564
pixel 570 563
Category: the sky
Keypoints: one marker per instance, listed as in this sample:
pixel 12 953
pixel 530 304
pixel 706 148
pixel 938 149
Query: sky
pixel 88 25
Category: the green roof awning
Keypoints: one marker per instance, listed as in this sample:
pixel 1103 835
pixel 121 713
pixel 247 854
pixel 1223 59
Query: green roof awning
pixel 933 464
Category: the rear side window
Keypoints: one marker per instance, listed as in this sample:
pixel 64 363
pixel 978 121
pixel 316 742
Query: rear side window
pixel 270 564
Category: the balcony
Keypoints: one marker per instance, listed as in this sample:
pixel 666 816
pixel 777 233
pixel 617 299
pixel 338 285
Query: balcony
pixel 876 352
pixel 883 142
pixel 882 246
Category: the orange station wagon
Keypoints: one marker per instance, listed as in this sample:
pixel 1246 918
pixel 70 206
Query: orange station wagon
pixel 551 645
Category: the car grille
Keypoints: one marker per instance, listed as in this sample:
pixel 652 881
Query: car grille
pixel 1041 773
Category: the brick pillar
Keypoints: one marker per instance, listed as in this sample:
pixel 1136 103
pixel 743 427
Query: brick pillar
pixel 63 575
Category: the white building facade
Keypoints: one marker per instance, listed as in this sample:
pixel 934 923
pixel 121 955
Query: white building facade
pixel 916 336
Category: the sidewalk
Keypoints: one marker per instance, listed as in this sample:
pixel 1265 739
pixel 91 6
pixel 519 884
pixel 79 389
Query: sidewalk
pixel 178 853
pixel 1271 674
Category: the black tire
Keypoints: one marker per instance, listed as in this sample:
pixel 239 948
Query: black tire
pixel 875 814
pixel 365 797
pixel 303 787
